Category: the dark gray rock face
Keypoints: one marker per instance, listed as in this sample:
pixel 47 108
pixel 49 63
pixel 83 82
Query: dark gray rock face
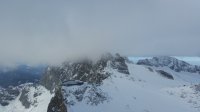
pixel 8 94
pixel 24 98
pixel 52 78
pixel 150 69
pixel 57 103
pixel 91 94
pixel 197 88
pixel 85 70
pixel 172 63
pixel 25 95
pixel 118 63
pixel 28 94
pixel 165 74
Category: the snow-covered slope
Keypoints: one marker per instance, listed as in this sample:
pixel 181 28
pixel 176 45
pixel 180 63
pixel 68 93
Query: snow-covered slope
pixel 140 91
pixel 111 84
pixel 32 98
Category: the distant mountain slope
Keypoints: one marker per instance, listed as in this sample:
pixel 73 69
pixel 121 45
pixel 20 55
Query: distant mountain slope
pixel 172 63
pixel 19 75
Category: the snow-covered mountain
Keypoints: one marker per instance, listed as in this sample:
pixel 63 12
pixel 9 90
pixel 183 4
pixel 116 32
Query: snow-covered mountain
pixel 172 63
pixel 27 97
pixel 110 84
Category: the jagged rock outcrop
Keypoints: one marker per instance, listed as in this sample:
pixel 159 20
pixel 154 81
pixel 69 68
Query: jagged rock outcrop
pixel 172 63
pixel 88 93
pixel 8 94
pixel 24 98
pixel 84 70
pixel 118 63
pixel 28 96
pixel 51 78
pixel 165 74
pixel 57 103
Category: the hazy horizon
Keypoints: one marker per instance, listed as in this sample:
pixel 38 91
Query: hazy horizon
pixel 190 60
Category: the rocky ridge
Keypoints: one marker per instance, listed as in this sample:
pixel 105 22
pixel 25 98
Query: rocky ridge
pixel 172 63
pixel 92 74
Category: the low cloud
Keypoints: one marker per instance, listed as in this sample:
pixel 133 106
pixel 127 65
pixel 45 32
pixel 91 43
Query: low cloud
pixel 33 31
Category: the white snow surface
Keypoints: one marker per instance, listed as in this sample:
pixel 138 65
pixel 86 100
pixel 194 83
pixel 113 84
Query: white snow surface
pixel 144 91
pixel 38 104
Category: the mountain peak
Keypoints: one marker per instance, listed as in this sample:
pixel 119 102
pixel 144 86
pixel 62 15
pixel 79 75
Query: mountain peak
pixel 171 62
pixel 84 70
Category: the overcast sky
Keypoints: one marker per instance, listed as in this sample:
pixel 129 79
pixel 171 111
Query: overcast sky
pixel 49 31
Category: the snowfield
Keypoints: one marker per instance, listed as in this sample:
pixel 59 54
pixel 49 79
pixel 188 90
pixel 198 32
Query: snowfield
pixel 143 91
